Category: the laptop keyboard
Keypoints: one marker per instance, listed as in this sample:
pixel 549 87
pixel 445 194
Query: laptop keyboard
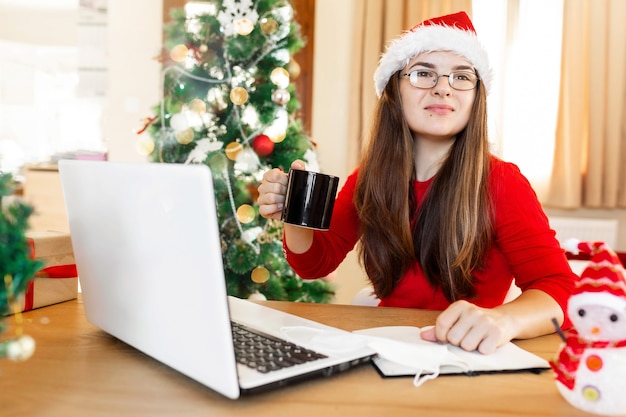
pixel 267 353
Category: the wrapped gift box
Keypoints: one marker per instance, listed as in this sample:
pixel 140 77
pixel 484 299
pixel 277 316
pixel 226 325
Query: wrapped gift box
pixel 57 281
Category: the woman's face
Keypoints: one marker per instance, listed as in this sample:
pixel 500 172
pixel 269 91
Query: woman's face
pixel 441 112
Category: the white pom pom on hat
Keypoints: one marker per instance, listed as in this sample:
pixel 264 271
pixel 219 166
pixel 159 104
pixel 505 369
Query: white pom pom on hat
pixel 453 32
pixel 571 245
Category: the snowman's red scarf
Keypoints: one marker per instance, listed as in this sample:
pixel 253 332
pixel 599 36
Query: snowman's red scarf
pixel 566 365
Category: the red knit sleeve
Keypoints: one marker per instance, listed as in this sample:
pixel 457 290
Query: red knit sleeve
pixel 330 247
pixel 523 234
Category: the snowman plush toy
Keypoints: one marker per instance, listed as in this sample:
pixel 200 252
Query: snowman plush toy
pixel 590 367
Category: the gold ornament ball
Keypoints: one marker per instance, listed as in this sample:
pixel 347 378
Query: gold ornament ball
pixel 268 25
pixel 197 105
pixel 280 77
pixel 281 96
pixel 294 69
pixel 244 26
pixel 278 137
pixel 246 213
pixel 232 150
pixel 179 53
pixel 238 95
pixel 145 146
pixel 260 274
pixel 184 137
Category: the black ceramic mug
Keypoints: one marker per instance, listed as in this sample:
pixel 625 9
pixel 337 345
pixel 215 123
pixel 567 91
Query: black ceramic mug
pixel 310 199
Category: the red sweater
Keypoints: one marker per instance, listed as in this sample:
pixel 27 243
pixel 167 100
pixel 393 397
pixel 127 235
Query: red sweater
pixel 524 247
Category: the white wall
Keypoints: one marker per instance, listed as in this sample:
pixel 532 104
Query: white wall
pixel 134 39
pixel 329 129
pixel 38 25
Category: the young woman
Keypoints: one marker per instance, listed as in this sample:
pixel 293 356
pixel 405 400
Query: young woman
pixel 441 223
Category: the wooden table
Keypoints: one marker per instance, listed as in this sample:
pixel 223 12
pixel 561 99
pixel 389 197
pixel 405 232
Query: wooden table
pixel 78 370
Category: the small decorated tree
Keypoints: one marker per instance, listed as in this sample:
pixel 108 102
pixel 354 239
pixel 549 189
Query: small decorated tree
pixel 229 102
pixel 17 267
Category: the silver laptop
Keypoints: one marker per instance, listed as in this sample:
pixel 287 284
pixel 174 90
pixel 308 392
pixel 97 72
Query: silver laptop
pixel 147 249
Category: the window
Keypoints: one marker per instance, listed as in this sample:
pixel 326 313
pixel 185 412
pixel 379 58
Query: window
pixel 524 46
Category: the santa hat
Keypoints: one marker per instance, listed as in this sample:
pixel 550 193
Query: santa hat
pixel 602 281
pixel 454 32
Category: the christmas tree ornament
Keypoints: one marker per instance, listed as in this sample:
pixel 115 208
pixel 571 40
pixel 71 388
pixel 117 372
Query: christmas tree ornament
pixel 233 149
pixel 280 77
pixel 260 274
pixel 294 69
pixel 238 95
pixel 184 137
pixel 179 53
pixel 235 11
pixel 268 25
pixel 244 26
pixel 278 136
pixel 246 213
pixel 262 145
pixel 197 105
pixel 281 96
pixel 145 146
pixel 591 362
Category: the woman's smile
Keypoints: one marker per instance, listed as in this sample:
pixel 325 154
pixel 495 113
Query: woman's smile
pixel 440 109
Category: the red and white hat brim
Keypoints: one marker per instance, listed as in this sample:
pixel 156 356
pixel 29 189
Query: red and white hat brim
pixel 595 298
pixel 428 39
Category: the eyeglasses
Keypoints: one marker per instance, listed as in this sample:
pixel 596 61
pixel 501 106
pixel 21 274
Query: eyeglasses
pixel 459 80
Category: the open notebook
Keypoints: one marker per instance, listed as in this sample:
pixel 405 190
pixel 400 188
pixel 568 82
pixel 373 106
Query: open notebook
pixel 147 249
pixel 409 355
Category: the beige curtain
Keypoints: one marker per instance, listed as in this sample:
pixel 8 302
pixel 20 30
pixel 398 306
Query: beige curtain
pixel 590 152
pixel 377 22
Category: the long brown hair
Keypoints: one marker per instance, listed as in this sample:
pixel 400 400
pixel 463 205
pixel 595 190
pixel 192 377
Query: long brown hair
pixel 453 229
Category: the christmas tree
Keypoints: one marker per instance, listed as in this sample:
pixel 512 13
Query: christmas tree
pixel 229 102
pixel 17 268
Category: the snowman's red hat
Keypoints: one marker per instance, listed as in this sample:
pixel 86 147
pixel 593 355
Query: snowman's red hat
pixel 602 281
